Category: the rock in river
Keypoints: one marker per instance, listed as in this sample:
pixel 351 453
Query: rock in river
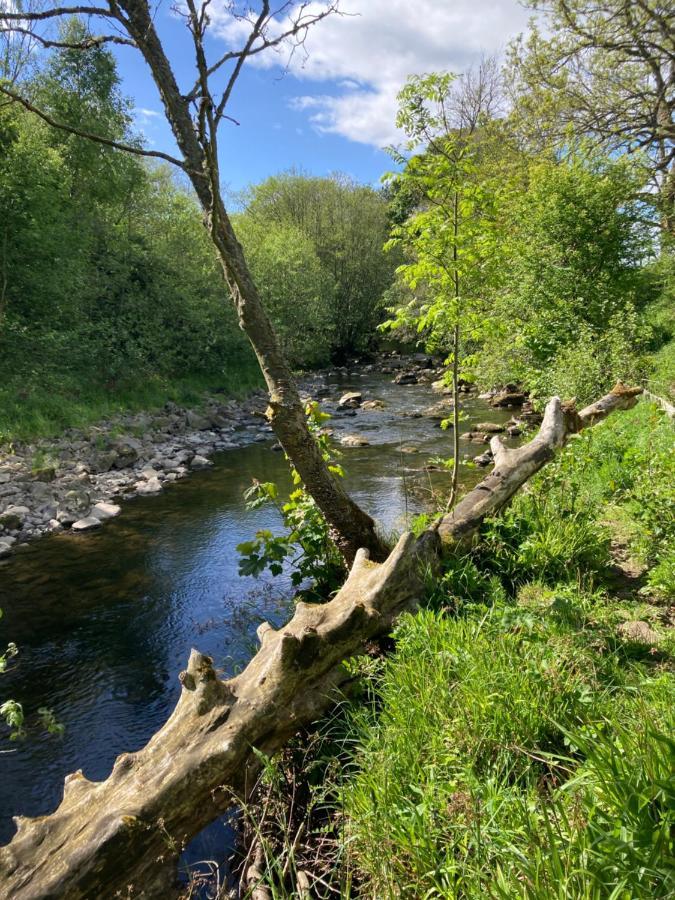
pixel 86 524
pixel 350 400
pixel 354 440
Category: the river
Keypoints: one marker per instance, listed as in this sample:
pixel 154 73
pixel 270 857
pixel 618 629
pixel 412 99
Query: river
pixel 105 620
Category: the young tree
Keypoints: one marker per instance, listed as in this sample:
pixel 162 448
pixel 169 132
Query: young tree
pixel 450 236
pixel 606 70
pixel 195 114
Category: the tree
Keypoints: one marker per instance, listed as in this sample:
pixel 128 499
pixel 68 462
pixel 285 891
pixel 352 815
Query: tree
pixel 347 224
pixel 195 116
pixel 297 291
pixel 450 236
pixel 605 70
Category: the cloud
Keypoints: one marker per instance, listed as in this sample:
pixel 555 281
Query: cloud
pixel 365 56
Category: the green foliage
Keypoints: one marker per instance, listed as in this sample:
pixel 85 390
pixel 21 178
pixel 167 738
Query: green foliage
pixel 296 289
pixel 566 317
pixel 108 282
pixel 306 544
pixel 346 225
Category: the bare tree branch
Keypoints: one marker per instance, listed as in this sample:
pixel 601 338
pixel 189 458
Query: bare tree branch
pixel 88 44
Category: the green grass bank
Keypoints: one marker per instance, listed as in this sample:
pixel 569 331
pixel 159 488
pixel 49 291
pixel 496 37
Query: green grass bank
pixel 517 740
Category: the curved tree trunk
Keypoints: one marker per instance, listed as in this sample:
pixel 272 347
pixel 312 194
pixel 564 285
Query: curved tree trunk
pixel 129 829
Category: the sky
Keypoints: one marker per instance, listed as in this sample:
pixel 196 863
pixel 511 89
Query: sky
pixel 333 107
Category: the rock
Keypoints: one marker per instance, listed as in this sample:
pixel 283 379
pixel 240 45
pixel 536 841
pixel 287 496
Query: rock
pixel 484 459
pixel 76 500
pixel 104 510
pixel 200 462
pixel 640 632
pixel 46 474
pixel 477 437
pixel 127 451
pixel 514 430
pixel 441 410
pixel 486 395
pixel 54 525
pixel 373 404
pixel 406 378
pixel 151 486
pixel 489 427
pixel 103 461
pixel 86 524
pixel 148 472
pixel 277 447
pixel 408 448
pixel 350 400
pixel 508 398
pixel 440 387
pixel 354 440
pixel 5 548
pixel 197 422
pixel 13 516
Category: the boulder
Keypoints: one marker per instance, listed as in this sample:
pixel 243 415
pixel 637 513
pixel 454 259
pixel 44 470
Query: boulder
pixel 200 462
pixel 490 427
pixel 350 400
pixel 127 451
pixel 408 448
pixel 441 387
pixel 104 510
pixel 13 516
pixel 151 486
pixel 45 473
pixel 406 378
pixel 197 422
pixel 373 404
pixel 484 459
pixel 640 632
pixel 354 440
pixel 508 398
pixel 86 524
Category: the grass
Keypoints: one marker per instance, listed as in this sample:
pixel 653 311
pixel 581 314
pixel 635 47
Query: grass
pixel 35 410
pixel 518 740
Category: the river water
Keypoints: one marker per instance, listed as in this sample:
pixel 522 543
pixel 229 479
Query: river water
pixel 105 620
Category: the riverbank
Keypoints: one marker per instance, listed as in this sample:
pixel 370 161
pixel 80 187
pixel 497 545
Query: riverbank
pixel 515 739
pixel 76 481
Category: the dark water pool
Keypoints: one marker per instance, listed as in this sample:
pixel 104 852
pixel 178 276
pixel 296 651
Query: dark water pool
pixel 105 621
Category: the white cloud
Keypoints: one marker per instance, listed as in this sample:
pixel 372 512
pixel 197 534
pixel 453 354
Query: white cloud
pixel 367 55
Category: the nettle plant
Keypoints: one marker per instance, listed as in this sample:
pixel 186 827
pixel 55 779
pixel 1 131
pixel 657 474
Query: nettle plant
pixel 305 547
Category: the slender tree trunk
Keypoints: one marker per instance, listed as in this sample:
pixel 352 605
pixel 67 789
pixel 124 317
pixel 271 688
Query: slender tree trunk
pixel 455 358
pixel 351 528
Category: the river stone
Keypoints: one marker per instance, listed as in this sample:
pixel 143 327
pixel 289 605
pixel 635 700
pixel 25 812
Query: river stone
pixel 86 524
pixel 441 387
pixel 194 420
pixel 201 462
pixel 127 451
pixel 489 427
pixel 14 516
pixel 103 461
pixel 408 448
pixel 406 378
pixel 508 398
pixel 151 486
pixel 514 430
pixel 484 459
pixel 350 400
pixel 46 473
pixel 105 510
pixel 354 440
pixel 373 404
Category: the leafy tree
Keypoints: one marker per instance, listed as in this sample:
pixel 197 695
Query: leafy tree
pixel 347 224
pixel 576 248
pixel 605 70
pixel 297 291
pixel 451 237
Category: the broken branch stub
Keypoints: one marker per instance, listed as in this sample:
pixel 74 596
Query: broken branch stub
pixel 130 828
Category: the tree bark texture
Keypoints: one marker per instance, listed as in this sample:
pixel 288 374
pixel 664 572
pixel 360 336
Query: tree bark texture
pixel 129 829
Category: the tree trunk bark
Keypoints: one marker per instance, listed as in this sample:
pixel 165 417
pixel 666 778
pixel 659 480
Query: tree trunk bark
pixel 351 528
pixel 129 829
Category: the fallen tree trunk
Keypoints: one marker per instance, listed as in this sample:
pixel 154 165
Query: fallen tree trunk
pixel 122 836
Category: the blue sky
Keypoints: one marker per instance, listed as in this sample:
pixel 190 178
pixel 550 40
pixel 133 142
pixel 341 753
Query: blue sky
pixel 334 109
